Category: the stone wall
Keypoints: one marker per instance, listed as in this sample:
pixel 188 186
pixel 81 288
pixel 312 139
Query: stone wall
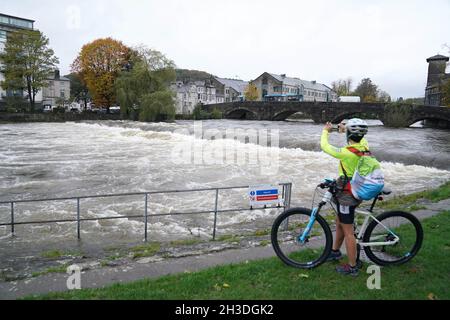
pixel 55 117
pixel 392 115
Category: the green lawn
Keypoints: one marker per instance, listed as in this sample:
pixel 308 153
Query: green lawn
pixel 427 276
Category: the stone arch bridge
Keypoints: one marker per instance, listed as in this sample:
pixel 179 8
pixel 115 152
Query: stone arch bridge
pixel 392 115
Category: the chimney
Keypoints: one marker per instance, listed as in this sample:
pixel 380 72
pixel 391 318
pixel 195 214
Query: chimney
pixel 283 76
pixel 314 82
pixel 57 75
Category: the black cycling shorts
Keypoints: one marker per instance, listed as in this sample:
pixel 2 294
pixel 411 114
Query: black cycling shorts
pixel 347 214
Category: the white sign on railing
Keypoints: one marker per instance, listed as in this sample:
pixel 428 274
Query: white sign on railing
pixel 264 195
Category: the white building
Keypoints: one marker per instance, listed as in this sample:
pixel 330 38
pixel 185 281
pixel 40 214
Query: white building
pixel 58 89
pixel 206 92
pixel 186 97
pixel 274 87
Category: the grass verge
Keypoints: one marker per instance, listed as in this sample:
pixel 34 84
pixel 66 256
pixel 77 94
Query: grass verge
pixel 409 202
pixel 426 277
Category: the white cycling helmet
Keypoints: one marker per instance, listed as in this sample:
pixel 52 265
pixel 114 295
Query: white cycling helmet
pixel 356 129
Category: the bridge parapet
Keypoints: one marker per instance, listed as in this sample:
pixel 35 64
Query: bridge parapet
pixel 392 115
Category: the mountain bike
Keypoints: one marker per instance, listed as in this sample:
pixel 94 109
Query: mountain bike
pixel 302 238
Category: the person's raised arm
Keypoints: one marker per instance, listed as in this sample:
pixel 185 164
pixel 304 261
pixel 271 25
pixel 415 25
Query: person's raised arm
pixel 326 146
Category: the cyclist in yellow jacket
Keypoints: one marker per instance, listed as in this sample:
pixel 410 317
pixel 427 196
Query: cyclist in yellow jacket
pixel 356 129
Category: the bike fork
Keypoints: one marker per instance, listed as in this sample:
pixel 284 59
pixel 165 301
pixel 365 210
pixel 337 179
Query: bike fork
pixel 304 237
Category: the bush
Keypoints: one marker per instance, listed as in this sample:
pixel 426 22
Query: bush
pixel 59 110
pixel 199 113
pixel 216 114
pixel 158 106
pixel 16 104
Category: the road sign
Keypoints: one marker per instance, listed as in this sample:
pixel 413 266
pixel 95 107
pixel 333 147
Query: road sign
pixel 264 195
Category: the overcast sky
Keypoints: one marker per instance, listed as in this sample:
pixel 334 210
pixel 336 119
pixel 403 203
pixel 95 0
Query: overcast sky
pixel 386 40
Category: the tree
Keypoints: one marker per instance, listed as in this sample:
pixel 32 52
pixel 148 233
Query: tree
pixel 78 89
pixel 27 63
pixel 383 96
pixel 446 86
pixel 144 86
pixel 251 93
pixel 99 64
pixel 157 106
pixel 367 90
pixel 342 87
pixel 446 93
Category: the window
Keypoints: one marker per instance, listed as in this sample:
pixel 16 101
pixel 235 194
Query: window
pixel 4 20
pixel 264 80
pixel 21 23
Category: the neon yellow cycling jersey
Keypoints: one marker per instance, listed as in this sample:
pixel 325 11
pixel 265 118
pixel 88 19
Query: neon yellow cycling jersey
pixel 348 159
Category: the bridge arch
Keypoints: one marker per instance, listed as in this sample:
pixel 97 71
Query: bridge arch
pixel 443 121
pixel 283 115
pixel 241 114
pixel 358 114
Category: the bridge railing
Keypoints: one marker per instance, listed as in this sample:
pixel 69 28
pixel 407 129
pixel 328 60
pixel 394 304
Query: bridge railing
pixel 285 204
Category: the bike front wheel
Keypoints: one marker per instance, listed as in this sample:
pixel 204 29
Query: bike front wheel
pixel 287 229
pixel 391 251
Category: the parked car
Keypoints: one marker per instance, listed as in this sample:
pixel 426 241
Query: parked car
pixel 75 110
pixel 47 108
pixel 114 110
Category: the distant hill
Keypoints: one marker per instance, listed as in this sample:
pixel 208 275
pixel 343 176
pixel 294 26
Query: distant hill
pixel 191 75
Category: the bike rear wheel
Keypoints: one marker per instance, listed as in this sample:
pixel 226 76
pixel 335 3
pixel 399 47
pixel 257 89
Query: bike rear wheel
pixel 285 233
pixel 406 226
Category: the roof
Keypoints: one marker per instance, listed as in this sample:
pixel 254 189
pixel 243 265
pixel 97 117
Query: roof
pixel 296 82
pixel 438 57
pixel 59 79
pixel 238 85
pixel 14 17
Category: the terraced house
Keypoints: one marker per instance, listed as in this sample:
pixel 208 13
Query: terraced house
pixel 274 87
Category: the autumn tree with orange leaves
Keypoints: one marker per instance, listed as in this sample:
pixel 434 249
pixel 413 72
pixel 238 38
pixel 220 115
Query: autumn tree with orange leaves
pixel 99 64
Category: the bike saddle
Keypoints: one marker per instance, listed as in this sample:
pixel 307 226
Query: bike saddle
pixel 386 191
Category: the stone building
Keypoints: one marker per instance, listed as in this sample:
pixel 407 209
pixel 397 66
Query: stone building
pixel 436 79
pixel 273 87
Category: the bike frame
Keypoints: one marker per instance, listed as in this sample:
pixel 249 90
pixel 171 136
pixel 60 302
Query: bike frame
pixel 369 216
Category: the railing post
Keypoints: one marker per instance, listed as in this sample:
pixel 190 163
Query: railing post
pixel 287 203
pixel 78 220
pixel 288 197
pixel 12 218
pixel 215 214
pixel 146 219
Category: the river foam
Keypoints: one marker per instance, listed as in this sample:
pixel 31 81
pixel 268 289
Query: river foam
pixel 77 159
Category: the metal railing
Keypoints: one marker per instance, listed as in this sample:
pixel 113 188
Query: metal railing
pixel 286 200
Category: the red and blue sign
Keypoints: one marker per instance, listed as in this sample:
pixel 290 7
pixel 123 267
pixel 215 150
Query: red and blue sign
pixel 264 195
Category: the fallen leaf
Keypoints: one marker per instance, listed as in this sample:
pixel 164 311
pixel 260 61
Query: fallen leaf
pixel 413 270
pixel 226 285
pixel 432 296
pixel 304 276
